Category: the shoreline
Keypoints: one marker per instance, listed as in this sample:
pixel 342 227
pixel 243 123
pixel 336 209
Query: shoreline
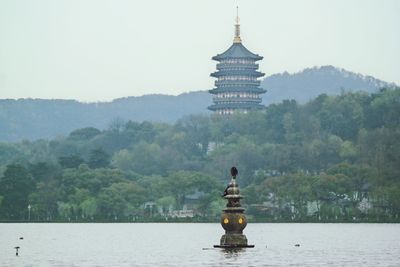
pixel 197 222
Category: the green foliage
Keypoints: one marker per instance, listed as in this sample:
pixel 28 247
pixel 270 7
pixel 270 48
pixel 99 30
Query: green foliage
pixel 71 161
pixel 15 187
pixel 84 134
pixel 336 157
pixel 98 158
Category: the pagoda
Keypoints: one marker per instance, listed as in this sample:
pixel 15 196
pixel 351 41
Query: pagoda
pixel 237 85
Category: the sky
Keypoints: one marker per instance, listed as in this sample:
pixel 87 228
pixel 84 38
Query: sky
pixel 99 50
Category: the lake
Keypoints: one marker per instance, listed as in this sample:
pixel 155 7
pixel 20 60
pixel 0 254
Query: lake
pixel 191 244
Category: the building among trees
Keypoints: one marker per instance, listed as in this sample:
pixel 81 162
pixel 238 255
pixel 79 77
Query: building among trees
pixel 237 85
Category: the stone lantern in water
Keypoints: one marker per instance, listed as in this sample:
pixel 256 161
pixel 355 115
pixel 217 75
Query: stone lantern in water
pixel 233 219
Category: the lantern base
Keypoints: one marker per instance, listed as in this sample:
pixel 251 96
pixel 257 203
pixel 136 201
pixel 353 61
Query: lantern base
pixel 234 246
pixel 233 241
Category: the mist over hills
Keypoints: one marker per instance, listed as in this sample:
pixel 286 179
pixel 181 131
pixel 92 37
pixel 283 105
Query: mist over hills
pixel 38 118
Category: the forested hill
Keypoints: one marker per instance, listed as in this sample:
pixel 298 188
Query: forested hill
pixel 336 158
pixel 37 118
pixel 309 83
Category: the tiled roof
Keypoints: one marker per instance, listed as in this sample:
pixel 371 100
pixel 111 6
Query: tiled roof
pixel 237 50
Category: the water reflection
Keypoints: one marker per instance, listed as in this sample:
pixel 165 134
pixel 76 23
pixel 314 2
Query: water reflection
pixel 232 253
pixel 240 257
pixel 231 256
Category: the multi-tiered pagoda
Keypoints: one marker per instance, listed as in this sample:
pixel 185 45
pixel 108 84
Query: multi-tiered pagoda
pixel 237 87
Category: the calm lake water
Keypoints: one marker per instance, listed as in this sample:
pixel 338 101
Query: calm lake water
pixel 183 244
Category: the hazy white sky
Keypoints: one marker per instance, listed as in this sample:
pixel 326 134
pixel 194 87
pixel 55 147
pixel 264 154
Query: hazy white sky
pixel 95 50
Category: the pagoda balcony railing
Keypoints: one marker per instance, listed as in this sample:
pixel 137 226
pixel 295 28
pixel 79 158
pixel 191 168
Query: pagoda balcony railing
pixel 238 83
pixel 222 100
pixel 226 66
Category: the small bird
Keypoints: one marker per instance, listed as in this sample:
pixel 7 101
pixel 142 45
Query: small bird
pixel 21 238
pixel 234 172
pixel 16 252
pixel 297 245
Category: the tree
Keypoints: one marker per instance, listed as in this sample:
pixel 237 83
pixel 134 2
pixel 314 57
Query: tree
pixel 166 203
pixel 98 158
pixel 44 201
pixel 15 187
pixel 196 131
pixel 64 210
pixel 89 207
pixel 183 183
pixel 84 134
pixel 384 109
pixel 343 115
pixel 72 161
pixel 146 159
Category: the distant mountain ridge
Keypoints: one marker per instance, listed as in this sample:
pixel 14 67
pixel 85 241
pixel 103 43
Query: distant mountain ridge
pixel 39 118
pixel 311 82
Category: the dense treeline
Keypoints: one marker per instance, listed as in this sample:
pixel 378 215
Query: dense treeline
pixel 334 158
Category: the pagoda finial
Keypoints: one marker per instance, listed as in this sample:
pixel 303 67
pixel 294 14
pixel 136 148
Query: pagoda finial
pixel 237 39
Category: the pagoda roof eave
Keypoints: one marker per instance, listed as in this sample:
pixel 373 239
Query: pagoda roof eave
pixel 237 72
pixel 257 90
pixel 237 50
pixel 236 106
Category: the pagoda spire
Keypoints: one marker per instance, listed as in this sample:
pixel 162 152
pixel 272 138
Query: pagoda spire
pixel 237 39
